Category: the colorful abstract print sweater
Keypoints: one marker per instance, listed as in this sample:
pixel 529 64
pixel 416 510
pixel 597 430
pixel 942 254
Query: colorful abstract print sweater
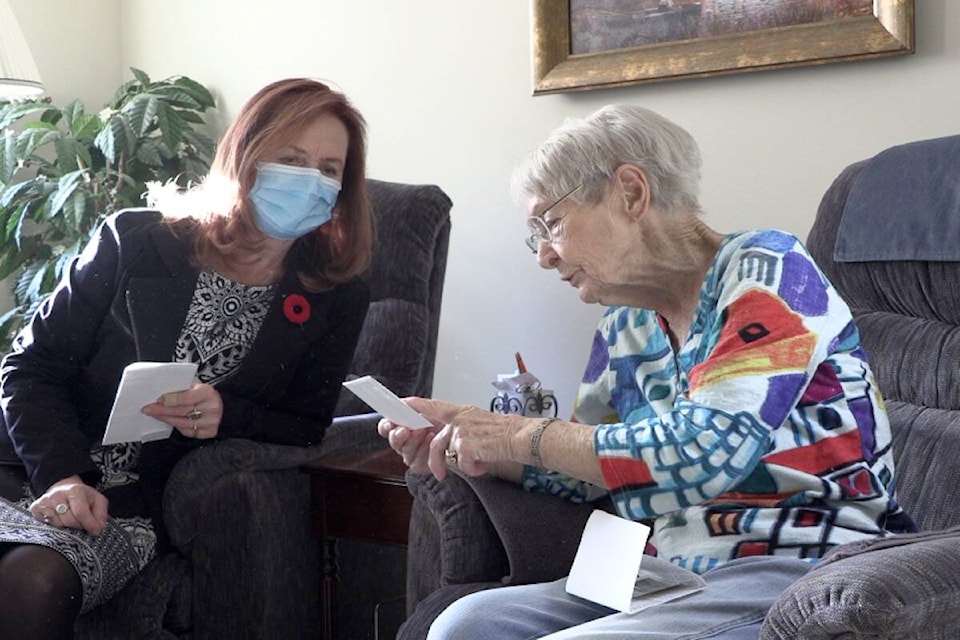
pixel 764 434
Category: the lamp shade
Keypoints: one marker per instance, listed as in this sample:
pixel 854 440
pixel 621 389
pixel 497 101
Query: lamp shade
pixel 18 72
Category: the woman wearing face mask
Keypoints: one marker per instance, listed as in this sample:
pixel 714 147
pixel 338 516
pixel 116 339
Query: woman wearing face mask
pixel 252 276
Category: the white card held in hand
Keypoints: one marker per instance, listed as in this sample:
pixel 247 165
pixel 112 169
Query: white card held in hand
pixel 386 403
pixel 141 384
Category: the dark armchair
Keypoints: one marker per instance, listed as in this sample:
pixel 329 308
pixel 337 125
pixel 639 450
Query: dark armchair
pixel 238 511
pixel 483 533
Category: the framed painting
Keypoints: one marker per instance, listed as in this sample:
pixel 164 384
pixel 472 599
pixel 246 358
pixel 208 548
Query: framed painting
pixel 590 44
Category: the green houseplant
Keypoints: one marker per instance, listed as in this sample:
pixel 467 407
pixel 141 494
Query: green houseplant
pixel 62 170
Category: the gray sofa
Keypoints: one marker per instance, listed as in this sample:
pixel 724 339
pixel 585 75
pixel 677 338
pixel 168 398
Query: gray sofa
pixel 904 288
pixel 238 511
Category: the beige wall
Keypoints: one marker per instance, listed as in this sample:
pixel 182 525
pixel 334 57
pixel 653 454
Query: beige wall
pixel 76 46
pixel 446 89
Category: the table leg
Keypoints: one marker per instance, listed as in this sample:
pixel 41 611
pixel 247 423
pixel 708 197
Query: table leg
pixel 328 583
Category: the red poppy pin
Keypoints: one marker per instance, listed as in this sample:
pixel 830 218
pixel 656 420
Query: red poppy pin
pixel 296 308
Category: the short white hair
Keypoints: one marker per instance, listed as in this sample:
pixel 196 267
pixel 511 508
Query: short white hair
pixel 584 150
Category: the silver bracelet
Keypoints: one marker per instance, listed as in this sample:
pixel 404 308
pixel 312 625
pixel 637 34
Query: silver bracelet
pixel 535 441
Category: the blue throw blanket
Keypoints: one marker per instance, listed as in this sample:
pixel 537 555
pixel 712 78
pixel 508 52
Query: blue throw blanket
pixel 904 205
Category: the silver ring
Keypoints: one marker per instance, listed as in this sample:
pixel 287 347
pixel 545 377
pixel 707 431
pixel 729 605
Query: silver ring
pixel 195 415
pixel 46 519
pixel 452 457
pixel 62 508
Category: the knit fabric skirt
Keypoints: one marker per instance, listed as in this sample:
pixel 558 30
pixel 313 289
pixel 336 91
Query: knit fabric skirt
pixel 104 562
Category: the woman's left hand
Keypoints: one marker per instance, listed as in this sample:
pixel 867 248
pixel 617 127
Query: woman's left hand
pixel 195 412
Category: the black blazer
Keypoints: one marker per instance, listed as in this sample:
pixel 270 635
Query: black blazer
pixel 125 299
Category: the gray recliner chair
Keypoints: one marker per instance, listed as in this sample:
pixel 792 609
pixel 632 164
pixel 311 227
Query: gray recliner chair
pixel 238 511
pixel 468 535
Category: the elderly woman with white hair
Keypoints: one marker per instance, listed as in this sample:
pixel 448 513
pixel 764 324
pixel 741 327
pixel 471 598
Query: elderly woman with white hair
pixel 726 395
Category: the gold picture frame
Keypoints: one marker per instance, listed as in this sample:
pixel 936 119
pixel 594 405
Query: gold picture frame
pixel 889 31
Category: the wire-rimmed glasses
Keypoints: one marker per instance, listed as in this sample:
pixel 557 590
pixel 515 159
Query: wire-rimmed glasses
pixel 539 229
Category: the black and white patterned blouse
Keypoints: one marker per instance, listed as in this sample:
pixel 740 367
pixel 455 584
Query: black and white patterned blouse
pixel 223 321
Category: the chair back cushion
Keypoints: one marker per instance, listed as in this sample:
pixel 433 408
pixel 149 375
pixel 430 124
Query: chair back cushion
pixel 398 342
pixel 908 312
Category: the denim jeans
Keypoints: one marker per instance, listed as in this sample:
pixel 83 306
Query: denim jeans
pixel 732 607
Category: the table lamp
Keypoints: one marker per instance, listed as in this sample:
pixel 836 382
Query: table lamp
pixel 19 77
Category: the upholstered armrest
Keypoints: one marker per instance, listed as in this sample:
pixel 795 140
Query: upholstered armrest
pixel 452 540
pixel 352 434
pixel 467 535
pixel 540 533
pixel 486 529
pixel 896 588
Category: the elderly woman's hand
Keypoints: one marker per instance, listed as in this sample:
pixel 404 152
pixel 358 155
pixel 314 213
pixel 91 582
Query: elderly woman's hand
pixel 413 445
pixel 472 439
pixel 477 442
pixel 195 412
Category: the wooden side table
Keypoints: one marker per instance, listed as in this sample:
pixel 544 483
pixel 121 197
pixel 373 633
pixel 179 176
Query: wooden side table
pixel 360 497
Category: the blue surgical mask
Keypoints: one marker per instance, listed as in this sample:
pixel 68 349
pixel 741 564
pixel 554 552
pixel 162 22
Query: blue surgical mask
pixel 289 201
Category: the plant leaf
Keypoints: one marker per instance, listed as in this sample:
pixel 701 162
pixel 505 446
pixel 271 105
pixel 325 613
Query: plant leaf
pixel 37 280
pixel 72 113
pixel 142 113
pixel 172 126
pixel 68 151
pixel 65 258
pixel 8 158
pixel 177 97
pixel 149 153
pixel 191 116
pixel 202 142
pixel 115 138
pixel 13 111
pixel 10 323
pixel 34 136
pixel 123 93
pixel 199 92
pixel 11 192
pixel 86 127
pixel 10 261
pixel 75 214
pixel 65 187
pixel 13 226
pixel 141 77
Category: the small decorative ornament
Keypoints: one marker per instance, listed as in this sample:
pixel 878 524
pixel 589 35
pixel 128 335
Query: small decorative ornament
pixel 296 308
pixel 520 392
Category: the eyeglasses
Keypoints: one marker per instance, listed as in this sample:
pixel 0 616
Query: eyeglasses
pixel 538 227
